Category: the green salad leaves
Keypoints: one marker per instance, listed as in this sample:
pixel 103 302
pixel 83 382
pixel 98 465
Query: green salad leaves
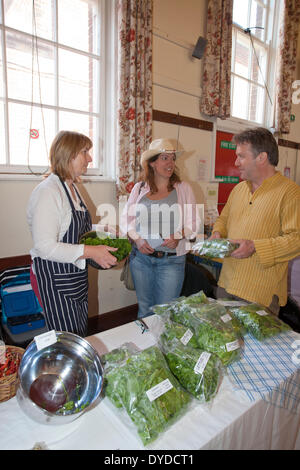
pixel 212 333
pixel 257 321
pixel 123 244
pixel 215 248
pixel 134 380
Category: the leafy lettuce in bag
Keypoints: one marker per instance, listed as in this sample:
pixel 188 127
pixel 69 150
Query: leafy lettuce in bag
pixel 258 321
pixel 142 383
pixel 215 248
pixel 212 333
pixel 198 371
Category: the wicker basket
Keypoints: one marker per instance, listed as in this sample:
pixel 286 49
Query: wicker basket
pixel 9 383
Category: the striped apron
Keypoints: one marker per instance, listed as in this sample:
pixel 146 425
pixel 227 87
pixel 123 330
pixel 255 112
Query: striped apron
pixel 63 287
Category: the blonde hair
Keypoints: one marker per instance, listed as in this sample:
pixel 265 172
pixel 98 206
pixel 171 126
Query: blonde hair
pixel 65 146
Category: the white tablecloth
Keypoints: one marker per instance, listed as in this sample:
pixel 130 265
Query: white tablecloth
pixel 231 421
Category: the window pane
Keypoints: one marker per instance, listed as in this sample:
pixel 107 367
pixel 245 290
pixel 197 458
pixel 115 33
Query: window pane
pixel 258 74
pixel 256 103
pixel 257 19
pixel 18 15
pixel 82 123
pixel 1 68
pixel 19 69
pixel 77 78
pixel 242 55
pixel 240 13
pixel 2 135
pixel 78 24
pixel 19 125
pixel 240 98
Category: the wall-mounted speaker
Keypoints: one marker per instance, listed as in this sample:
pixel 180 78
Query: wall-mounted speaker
pixel 199 48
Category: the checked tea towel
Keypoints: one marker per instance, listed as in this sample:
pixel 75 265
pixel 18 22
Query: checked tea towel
pixel 270 370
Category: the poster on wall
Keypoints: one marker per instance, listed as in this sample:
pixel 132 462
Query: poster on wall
pixel 225 170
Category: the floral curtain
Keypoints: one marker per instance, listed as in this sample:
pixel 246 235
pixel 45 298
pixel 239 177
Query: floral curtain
pixel 289 30
pixel 134 126
pixel 215 98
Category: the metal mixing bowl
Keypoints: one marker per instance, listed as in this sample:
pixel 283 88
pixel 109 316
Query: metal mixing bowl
pixel 71 358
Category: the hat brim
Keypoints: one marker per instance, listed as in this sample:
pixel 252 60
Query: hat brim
pixel 151 153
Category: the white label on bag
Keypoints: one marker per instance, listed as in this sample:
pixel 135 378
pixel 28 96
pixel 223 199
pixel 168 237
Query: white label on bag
pixel 159 389
pixel 233 345
pixel 45 339
pixel 262 313
pixel 201 363
pixel 225 318
pixel 232 303
pixel 186 337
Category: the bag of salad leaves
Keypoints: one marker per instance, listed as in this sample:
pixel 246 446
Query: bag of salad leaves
pixel 229 317
pixel 212 333
pixel 198 371
pixel 142 383
pixel 258 321
pixel 165 309
pixel 215 248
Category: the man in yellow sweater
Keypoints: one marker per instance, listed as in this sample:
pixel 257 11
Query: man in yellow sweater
pixel 262 214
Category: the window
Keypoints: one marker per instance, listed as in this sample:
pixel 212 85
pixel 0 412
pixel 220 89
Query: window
pixel 53 60
pixel 255 27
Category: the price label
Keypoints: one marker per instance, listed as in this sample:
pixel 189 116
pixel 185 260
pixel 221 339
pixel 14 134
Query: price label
pixel 186 337
pixel 262 313
pixel 45 339
pixel 159 389
pixel 233 345
pixel 201 363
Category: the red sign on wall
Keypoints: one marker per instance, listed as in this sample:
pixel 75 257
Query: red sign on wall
pixel 225 170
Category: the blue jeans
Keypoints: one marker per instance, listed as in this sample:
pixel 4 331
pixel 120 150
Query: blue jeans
pixel 156 280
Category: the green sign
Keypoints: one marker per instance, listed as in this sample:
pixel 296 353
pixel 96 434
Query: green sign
pixel 226 144
pixel 293 117
pixel 228 179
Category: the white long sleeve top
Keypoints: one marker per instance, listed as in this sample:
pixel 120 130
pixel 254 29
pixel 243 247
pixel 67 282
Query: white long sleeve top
pixel 49 217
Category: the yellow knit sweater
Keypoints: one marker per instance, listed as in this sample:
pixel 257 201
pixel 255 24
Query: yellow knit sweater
pixel 271 218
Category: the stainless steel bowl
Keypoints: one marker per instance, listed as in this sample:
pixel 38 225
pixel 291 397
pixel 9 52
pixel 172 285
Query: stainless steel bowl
pixel 73 360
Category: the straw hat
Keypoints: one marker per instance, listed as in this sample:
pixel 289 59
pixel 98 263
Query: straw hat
pixel 157 147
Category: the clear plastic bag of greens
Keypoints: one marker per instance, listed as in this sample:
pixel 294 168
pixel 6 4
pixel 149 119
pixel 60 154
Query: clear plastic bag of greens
pixel 215 248
pixel 142 383
pixel 198 371
pixel 229 317
pixel 258 321
pixel 212 333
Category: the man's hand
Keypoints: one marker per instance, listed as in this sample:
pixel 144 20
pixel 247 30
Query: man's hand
pixel 215 235
pixel 245 249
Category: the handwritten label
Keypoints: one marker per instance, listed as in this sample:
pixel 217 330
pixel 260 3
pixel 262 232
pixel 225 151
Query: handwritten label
pixel 45 339
pixel 225 318
pixel 201 363
pixel 233 345
pixel 186 337
pixel 159 389
pixel 262 313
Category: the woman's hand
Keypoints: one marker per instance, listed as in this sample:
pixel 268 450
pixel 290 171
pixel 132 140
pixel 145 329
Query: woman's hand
pixel 171 242
pixel 101 255
pixel 143 246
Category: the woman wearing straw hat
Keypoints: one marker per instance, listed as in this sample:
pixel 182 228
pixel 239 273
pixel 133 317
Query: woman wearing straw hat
pixel 160 218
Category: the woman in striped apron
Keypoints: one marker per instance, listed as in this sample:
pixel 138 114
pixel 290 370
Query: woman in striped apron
pixel 57 217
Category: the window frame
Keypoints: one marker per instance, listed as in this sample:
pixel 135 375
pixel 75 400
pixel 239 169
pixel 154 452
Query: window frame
pixel 104 141
pixel 273 10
